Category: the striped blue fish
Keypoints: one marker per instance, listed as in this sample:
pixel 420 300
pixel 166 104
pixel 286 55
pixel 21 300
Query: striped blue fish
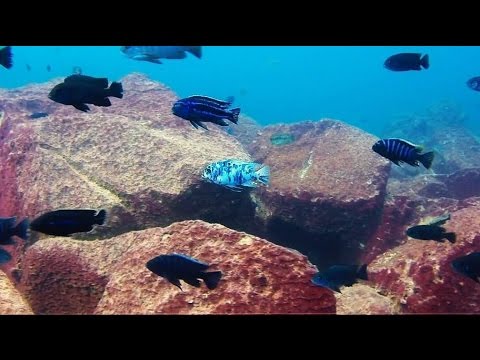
pixel 198 109
pixel 237 175
pixel 399 151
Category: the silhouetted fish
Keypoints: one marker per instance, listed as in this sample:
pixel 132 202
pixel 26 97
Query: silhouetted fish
pixel 79 90
pixel 68 221
pixel 407 61
pixel 474 83
pixel 37 115
pixel 340 275
pixel 176 267
pixel 399 150
pixel 153 54
pixel 468 265
pixel 431 232
pixel 6 57
pixel 8 230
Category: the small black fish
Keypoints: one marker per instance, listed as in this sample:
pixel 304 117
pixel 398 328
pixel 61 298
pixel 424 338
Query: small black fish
pixel 431 232
pixel 28 67
pixel 468 265
pixel 68 222
pixel 198 109
pixel 8 230
pixel 399 150
pixel 4 256
pixel 79 90
pixel 37 115
pixel 407 61
pixel 6 57
pixel 340 275
pixel 174 267
pixel 474 83
pixel 49 68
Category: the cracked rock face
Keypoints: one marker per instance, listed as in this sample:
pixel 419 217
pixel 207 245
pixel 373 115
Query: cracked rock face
pixel 135 159
pixel 327 188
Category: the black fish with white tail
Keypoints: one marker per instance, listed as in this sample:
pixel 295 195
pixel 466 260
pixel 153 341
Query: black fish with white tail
pixel 6 57
pixel 153 54
pixel 431 232
pixel 399 151
pixel 199 109
pixel 176 267
pixel 80 90
pixel 340 275
pixel 407 62
pixel 68 221
pixel 468 265
pixel 9 228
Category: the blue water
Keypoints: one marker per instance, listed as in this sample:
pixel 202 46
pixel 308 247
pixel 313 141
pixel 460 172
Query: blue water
pixel 286 84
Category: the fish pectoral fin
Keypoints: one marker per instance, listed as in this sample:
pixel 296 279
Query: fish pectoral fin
pixel 192 281
pixel 396 162
pixel 234 188
pixel 175 282
pixel 221 122
pixel 81 107
pixel 199 123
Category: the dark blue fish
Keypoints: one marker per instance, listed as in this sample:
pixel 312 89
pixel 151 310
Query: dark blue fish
pixel 38 115
pixel 468 265
pixel 399 150
pixel 4 256
pixel 8 230
pixel 67 222
pixel 153 54
pixel 6 57
pixel 407 61
pixel 198 109
pixel 474 83
pixel 431 232
pixel 340 275
pixel 174 267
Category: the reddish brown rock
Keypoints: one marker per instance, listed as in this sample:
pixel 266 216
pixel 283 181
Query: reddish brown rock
pixel 258 277
pixel 418 274
pixel 327 188
pixel 11 301
pixel 464 183
pixel 361 299
pixel 65 276
pixel 134 159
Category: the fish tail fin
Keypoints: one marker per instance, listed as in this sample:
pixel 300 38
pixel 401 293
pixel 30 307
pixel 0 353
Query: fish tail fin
pixel 211 279
pixel 263 174
pixel 235 112
pixel 21 230
pixel 4 256
pixel 116 90
pixel 6 57
pixel 425 61
pixel 195 50
pixel 427 159
pixel 362 272
pixel 101 217
pixel 452 237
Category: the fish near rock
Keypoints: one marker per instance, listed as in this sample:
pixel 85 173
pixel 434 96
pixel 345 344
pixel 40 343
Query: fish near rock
pixel 468 265
pixel 68 221
pixel 80 90
pixel 407 62
pixel 399 151
pixel 8 229
pixel 153 54
pixel 431 232
pixel 340 275
pixel 6 57
pixel 198 109
pixel 176 267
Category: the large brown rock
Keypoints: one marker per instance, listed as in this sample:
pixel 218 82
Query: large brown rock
pixel 419 275
pixel 11 301
pixel 64 276
pixel 134 159
pixel 361 299
pixel 258 277
pixel 327 188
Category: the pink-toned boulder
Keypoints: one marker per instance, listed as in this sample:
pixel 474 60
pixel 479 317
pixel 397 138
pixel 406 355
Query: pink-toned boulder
pixel 361 299
pixel 258 277
pixel 419 275
pixel 64 276
pixel 134 159
pixel 11 301
pixel 327 188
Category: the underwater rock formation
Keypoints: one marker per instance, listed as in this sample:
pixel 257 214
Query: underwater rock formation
pixel 327 188
pixel 135 159
pixel 418 274
pixel 65 276
pixel 360 299
pixel 11 301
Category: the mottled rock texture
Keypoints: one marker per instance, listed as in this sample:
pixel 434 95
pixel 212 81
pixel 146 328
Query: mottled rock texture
pixel 11 301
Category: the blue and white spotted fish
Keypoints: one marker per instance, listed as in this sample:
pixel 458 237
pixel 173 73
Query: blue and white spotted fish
pixel 399 150
pixel 237 175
